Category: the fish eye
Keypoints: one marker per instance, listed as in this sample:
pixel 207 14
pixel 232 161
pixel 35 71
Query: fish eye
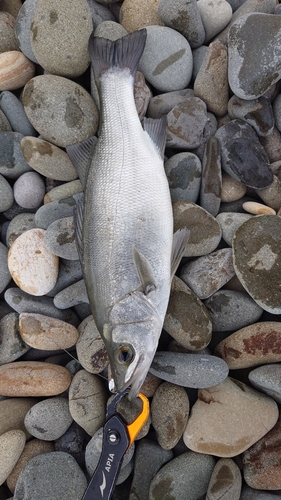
pixel 124 354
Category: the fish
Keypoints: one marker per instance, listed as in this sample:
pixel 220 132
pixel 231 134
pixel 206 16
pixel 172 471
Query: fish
pixel 124 226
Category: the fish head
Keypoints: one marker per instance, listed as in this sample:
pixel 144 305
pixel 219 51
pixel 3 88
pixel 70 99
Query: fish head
pixel 131 351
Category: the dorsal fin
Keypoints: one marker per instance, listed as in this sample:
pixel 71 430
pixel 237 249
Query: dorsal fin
pixel 156 129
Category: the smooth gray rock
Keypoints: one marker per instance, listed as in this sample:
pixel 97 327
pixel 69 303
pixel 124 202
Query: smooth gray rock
pixel 5 276
pixel 258 113
pixel 60 238
pixel 248 493
pixel 73 441
pixel 49 419
pixel 53 475
pixel 4 123
pixel 99 13
pixel 186 123
pixel 23 29
pixel 6 194
pixel 54 211
pixel 72 295
pixel 267 379
pixel 14 111
pixel 12 345
pixel 12 162
pixel 183 171
pixel 198 57
pixel 189 370
pixel 184 17
pixel 29 190
pixel 18 225
pixel 215 14
pixel 229 222
pixel 210 191
pixel 161 104
pixel 70 272
pixel 226 481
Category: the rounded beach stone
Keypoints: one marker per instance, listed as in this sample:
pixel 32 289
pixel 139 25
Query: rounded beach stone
pixel 53 211
pixel 8 40
pixel 5 276
pixel 205 231
pixel 90 348
pixel 49 419
pixel 61 111
pixel 59 36
pixel 186 477
pixel 15 70
pixel 248 493
pixel 231 189
pixel 208 273
pixel 74 441
pixel 167 59
pixel 183 171
pixel 257 260
pixel 210 192
pixel 261 462
pixel 185 18
pixel 110 30
pixel 230 310
pixel 12 162
pixel 43 332
pixel 12 345
pixel 189 370
pixel 150 384
pixel 186 123
pixel 193 331
pixel 47 159
pixel 32 449
pixel 267 379
pixel 33 379
pixel 229 222
pixel 32 266
pixel 271 195
pixel 258 113
pixel 29 190
pixel 22 28
pixel 53 475
pixel 135 15
pixel 160 105
pixel 12 414
pixel 14 111
pixel 217 429
pixel 63 191
pixel 60 239
pixel 87 401
pixel 215 16
pixel 72 295
pixel 4 123
pixel 256 208
pixel 253 345
pixel 11 446
pixel 169 414
pixel 18 225
pixel 226 481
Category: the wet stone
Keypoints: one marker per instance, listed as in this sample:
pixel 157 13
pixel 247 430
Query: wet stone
pixel 186 123
pixel 54 211
pixel 207 274
pixel 12 345
pixel 12 161
pixel 267 379
pixel 60 239
pixel 49 419
pixel 242 155
pixel 193 331
pixel 183 171
pixel 252 345
pixel 256 260
pixel 205 231
pixel 14 111
pixel 189 370
pixel 160 105
pixel 91 351
pixel 185 18
pixel 231 310
pixel 258 113
pixel 226 481
pixel 210 192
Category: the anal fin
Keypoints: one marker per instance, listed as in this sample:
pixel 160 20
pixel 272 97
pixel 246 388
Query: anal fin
pixel 156 129
pixel 180 240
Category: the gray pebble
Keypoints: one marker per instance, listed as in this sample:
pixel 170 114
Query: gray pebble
pixel 208 273
pixel 215 14
pixel 53 475
pixel 49 419
pixel 4 309
pixel 6 194
pixel 189 370
pixel 198 57
pixel 8 40
pixel 63 191
pixel 11 343
pixel 90 348
pixel 232 310
pixel 248 493
pixel 5 276
pixel 54 211
pixel 29 190
pixel 226 481
pixel 99 13
pixel 23 28
pixel 4 123
pixel 14 111
pixel 12 162
pixel 15 210
pixel 185 18
pixel 185 477
pixel 186 123
pixel 272 145
pixel 271 195
pixel 209 130
pixel 183 171
pixel 267 379
pixel 82 310
pixel 70 272
pixel 229 222
pixel 160 105
pixel 18 225
pixel 110 30
pixel 72 295
pixel 60 238
pixel 258 113
pixel 210 192
pixel 167 59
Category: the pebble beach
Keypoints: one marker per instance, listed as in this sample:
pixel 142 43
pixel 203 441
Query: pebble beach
pixel 213 68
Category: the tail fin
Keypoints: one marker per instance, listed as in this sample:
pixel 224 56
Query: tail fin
pixel 122 53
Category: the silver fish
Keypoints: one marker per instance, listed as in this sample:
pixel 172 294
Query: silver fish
pixel 126 237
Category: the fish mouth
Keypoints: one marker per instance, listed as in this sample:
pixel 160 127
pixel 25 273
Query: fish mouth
pixel 119 383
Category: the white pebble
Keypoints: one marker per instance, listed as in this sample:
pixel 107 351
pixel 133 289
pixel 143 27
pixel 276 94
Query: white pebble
pixel 29 190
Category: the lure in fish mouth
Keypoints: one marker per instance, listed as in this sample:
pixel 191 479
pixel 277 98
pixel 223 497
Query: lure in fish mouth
pixel 124 227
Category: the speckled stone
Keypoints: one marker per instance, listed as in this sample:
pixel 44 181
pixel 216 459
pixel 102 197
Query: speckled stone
pixel 70 114
pixel 215 16
pixel 231 189
pixel 226 481
pixel 208 273
pixel 53 211
pixel 87 401
pixel 167 59
pixel 90 348
pixel 193 330
pixel 15 70
pixel 256 260
pixel 48 380
pixel 211 186
pixel 29 259
pixel 186 123
pixel 271 195
pixel 272 145
pixel 12 414
pixel 267 379
pixel 189 370
pixel 258 113
pixel 29 190
pixel 183 171
pixel 14 111
pixel 169 414
pixel 185 18
pixel 63 191
pixel 4 123
pixel 161 104
pixel 22 28
pixel 211 83
pixel 47 159
pixel 18 225
pixel 205 231
pixel 216 428
pixel 230 310
pixel 7 28
pixel 230 222
pixel 72 295
pixel 53 475
pixel 60 238
pixel 12 345
pixel 186 477
pixel 253 345
pixel 5 275
pixel 135 15
pixel 11 446
pixel 49 419
pixel 12 162
pixel 248 493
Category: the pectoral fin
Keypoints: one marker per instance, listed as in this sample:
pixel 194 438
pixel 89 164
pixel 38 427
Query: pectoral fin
pixel 144 271
pixel 78 222
pixel 180 240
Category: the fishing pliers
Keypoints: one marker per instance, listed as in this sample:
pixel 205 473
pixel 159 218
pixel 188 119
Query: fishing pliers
pixel 117 438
